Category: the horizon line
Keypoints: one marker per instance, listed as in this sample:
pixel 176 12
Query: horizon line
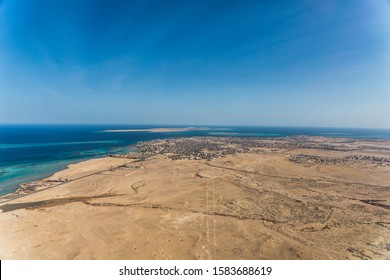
pixel 192 125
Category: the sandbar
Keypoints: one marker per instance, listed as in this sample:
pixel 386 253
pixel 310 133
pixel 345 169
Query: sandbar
pixel 161 129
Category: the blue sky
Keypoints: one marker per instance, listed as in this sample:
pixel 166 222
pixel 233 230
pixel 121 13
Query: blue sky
pixel 287 63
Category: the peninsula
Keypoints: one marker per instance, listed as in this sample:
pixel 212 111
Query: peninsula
pixel 160 129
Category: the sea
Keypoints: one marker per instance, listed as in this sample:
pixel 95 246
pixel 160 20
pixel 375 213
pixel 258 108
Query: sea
pixel 33 152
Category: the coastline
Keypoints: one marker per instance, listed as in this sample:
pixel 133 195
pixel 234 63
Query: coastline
pixel 27 186
pixel 211 198
pixel 160 129
pixel 67 174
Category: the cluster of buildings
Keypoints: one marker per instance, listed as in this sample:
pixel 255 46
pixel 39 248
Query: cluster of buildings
pixel 207 148
pixel 301 158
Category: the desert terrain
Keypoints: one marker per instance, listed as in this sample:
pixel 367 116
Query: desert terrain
pixel 209 198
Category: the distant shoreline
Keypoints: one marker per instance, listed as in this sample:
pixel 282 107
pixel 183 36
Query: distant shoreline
pixel 160 129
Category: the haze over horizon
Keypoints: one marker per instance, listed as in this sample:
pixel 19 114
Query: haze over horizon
pixel 274 63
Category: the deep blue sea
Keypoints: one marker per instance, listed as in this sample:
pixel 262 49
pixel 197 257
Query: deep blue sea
pixel 32 152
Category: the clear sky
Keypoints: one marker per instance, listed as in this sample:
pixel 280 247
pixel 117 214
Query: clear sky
pixel 287 63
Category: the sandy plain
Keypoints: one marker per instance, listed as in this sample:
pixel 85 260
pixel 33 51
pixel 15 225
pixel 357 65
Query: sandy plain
pixel 266 202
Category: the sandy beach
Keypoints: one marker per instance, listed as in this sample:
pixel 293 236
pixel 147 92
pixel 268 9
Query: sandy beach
pixel 327 198
pixel 162 129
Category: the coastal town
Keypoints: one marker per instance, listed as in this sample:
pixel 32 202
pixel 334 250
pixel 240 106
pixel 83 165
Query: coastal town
pixel 207 148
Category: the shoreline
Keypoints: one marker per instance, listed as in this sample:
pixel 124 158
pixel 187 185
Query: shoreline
pixel 29 184
pixel 160 129
pixel 55 179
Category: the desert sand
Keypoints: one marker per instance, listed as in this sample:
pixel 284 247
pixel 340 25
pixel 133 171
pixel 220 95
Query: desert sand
pixel 274 200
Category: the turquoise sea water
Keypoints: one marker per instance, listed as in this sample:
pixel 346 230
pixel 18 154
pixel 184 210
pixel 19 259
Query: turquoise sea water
pixel 32 152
